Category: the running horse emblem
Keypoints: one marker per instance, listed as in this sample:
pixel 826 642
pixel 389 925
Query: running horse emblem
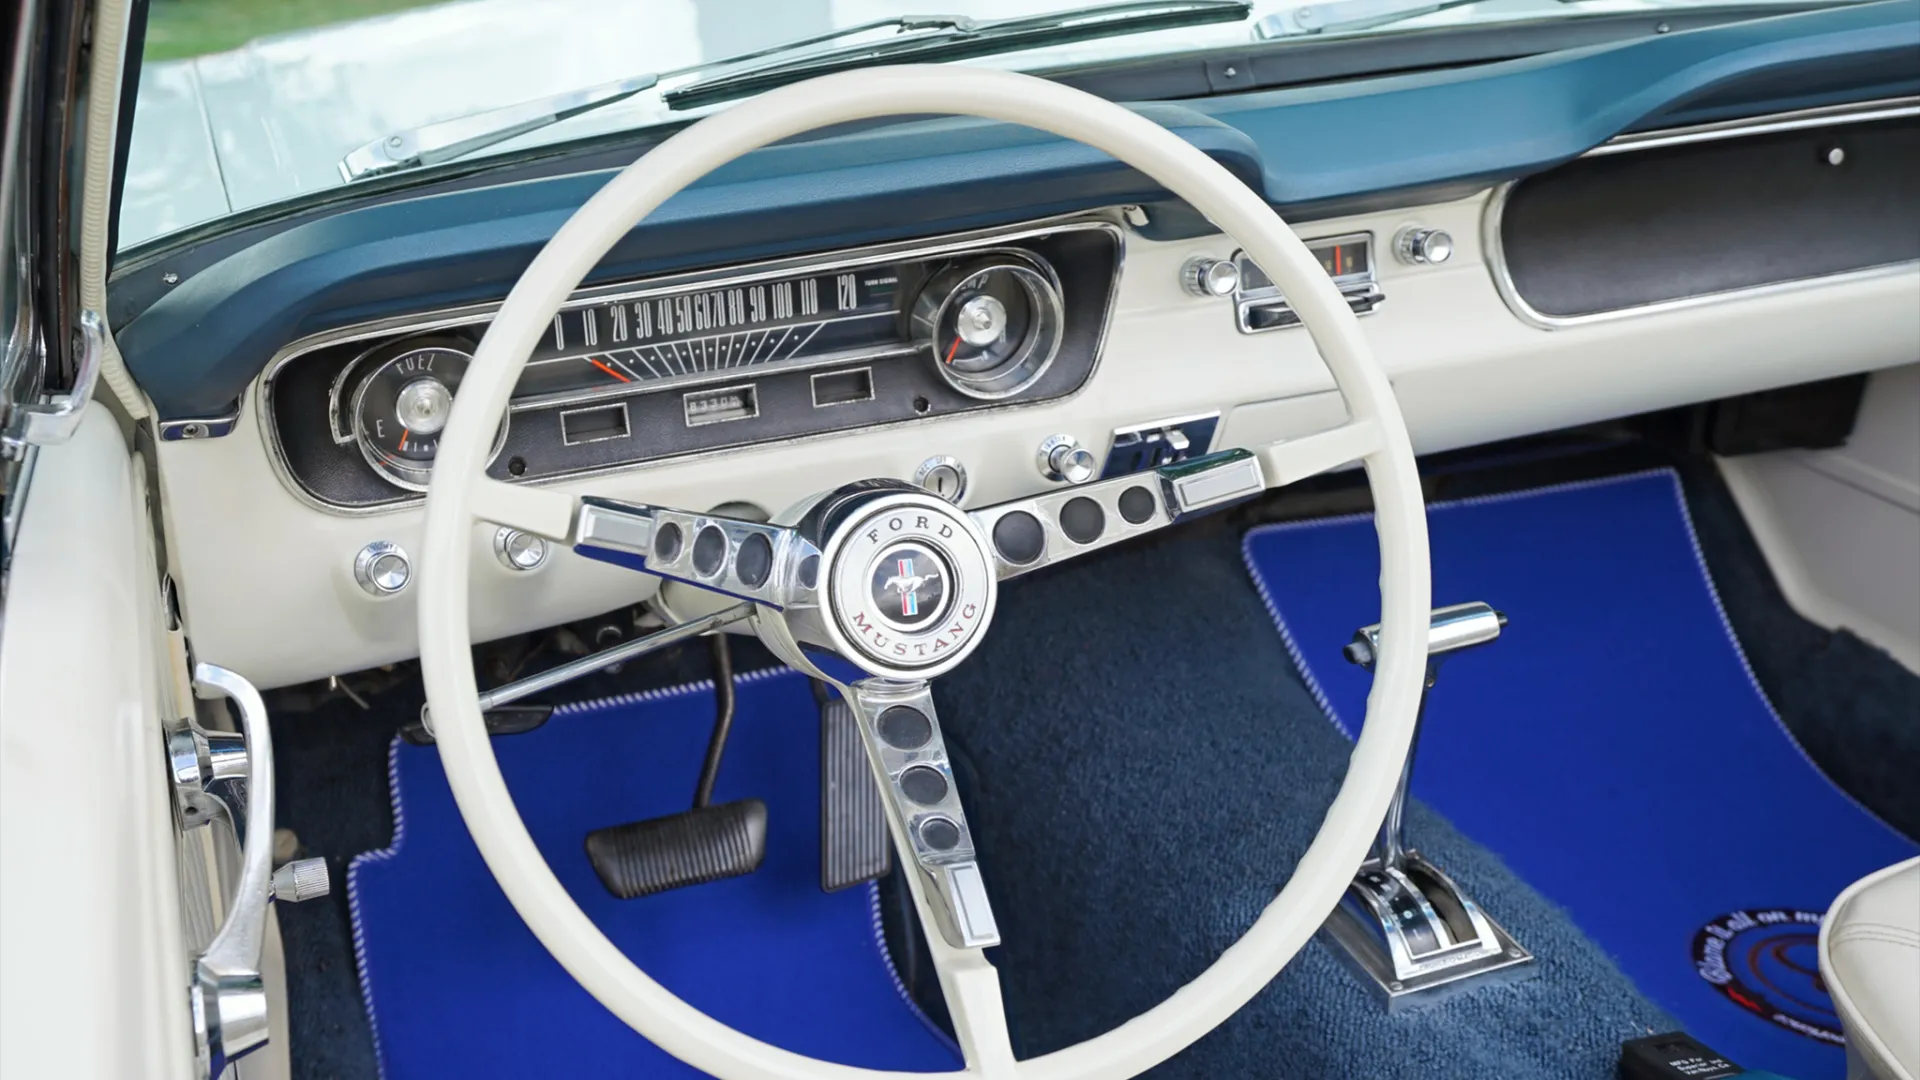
pixel 907 584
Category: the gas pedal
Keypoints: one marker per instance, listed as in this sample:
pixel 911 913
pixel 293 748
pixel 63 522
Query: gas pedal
pixel 854 843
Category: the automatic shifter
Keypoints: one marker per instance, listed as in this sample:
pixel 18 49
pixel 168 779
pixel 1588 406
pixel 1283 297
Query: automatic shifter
pixel 1405 924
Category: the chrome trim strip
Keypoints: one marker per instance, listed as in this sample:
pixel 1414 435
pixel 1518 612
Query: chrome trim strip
pixel 1797 120
pixel 1105 220
pixel 204 427
pixel 1802 119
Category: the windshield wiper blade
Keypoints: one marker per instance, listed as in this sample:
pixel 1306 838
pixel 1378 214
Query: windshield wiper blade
pixel 956 38
pixel 431 144
pixel 1319 18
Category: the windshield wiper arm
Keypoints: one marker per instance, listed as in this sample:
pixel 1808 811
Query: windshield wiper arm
pixel 956 38
pixel 431 144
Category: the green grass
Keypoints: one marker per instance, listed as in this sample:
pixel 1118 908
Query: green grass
pixel 179 28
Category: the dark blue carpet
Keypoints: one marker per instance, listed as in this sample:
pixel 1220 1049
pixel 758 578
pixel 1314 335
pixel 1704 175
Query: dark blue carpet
pixel 1612 748
pixel 456 985
pixel 1143 769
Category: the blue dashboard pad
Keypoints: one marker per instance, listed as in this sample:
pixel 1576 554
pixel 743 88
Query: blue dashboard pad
pixel 1612 746
pixel 456 985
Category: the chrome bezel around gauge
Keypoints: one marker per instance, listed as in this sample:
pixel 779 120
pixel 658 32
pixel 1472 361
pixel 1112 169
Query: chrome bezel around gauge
pixel 1031 355
pixel 398 471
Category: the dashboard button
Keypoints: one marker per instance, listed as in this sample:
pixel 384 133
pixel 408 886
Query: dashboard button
pixel 1019 537
pixel 382 569
pixel 1062 458
pixel 1203 276
pixel 518 550
pixel 1423 247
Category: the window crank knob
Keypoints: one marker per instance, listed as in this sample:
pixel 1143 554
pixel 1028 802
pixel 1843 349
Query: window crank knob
pixel 301 879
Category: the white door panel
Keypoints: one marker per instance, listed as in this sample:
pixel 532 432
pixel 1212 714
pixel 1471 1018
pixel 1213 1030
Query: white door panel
pixel 95 979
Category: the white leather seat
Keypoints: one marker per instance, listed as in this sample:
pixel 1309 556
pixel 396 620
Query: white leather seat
pixel 1870 959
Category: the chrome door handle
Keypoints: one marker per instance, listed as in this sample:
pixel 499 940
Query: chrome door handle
pixel 228 991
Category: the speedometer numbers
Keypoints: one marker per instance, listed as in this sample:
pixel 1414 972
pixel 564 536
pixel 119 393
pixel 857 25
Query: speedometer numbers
pixel 991 325
pixel 401 405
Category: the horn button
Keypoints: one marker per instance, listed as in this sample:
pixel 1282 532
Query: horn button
pixel 910 588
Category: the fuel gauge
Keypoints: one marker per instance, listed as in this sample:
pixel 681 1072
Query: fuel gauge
pixel 401 405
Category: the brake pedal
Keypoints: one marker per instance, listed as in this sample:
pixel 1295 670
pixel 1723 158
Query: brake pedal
pixel 706 843
pixel 854 844
pixel 692 848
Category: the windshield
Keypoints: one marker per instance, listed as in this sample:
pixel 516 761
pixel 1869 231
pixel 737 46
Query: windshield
pixel 246 103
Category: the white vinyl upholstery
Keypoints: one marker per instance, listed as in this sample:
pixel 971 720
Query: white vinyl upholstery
pixel 1870 959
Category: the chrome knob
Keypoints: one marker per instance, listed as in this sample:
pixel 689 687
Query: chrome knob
pixel 1204 276
pixel 1062 458
pixel 1422 247
pixel 518 550
pixel 382 568
pixel 301 879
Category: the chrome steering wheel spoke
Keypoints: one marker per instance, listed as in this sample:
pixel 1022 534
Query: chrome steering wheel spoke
pixel 942 870
pixel 909 756
pixel 1033 532
pixel 768 564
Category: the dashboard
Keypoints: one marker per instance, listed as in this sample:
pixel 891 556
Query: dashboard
pixel 996 361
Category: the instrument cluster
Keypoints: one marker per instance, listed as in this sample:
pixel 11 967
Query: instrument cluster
pixel 642 371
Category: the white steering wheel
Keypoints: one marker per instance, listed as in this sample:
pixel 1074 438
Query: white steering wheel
pixel 810 580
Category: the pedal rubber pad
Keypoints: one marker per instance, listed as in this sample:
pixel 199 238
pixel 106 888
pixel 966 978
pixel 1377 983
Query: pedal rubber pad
pixel 854 844
pixel 691 848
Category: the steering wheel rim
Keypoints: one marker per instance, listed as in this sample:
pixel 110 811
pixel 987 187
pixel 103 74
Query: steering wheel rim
pixel 459 494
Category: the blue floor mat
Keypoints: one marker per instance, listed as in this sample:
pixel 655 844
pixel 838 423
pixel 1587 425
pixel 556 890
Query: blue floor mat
pixel 1612 747
pixel 456 985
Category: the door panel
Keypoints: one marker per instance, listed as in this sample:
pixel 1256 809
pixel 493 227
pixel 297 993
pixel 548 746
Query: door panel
pixel 94 984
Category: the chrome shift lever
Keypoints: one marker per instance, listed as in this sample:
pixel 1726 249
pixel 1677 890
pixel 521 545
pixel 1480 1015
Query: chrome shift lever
pixel 1454 629
pixel 1404 923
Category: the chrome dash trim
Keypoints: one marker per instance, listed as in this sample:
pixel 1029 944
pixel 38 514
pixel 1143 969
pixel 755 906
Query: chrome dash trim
pixel 1799 120
pixel 1108 220
pixel 203 427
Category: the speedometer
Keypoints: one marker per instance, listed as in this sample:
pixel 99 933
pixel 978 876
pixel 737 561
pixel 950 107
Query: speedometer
pixel 401 405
